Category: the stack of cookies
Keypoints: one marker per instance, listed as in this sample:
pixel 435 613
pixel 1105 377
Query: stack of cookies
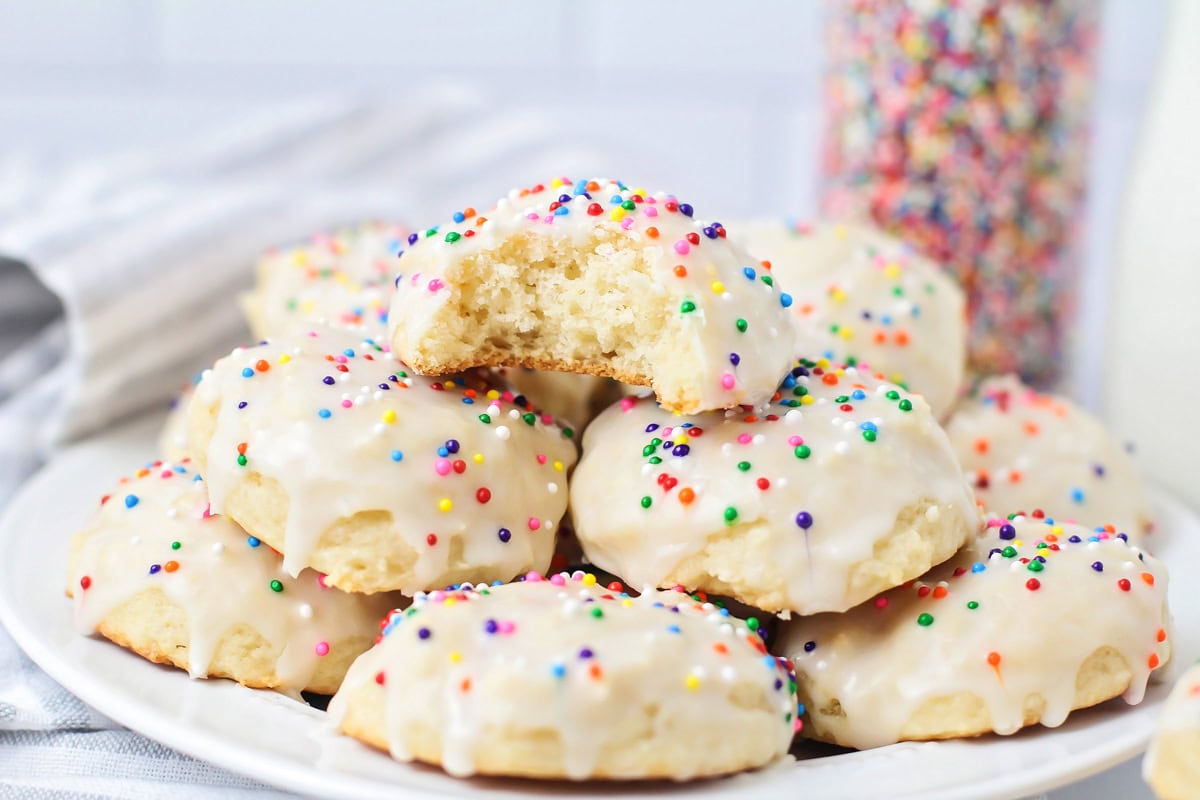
pixel 748 450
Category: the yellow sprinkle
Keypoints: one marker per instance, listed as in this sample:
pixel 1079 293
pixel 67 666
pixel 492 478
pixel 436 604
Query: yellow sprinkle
pixel 557 182
pixel 837 295
pixel 285 358
pixel 692 683
pixel 558 466
pixel 892 269
pixel 1057 529
pixel 807 400
pixel 389 416
pixel 307 306
pixel 1017 543
pixel 823 363
pixel 300 257
pixel 717 287
pixel 341 278
pixel 846 332
pixel 449 601
pixel 445 504
pixel 455 657
pixel 896 378
pixel 477 458
pixel 840 372
pixel 617 214
pixel 493 394
pixel 840 231
pixel 627 602
pixel 682 439
pixel 589 579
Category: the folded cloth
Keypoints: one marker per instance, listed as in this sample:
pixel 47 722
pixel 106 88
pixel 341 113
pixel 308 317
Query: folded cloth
pixel 117 283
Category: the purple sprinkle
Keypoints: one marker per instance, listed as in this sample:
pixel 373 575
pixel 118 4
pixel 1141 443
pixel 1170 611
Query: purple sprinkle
pixel 653 426
pixel 735 359
pixel 681 450
pixel 1008 532
pixel 586 653
pixel 424 633
pixel 1098 566
pixel 810 646
pixel 505 534
pixel 327 380
pixel 804 520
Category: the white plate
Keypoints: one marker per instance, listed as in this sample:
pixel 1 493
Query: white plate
pixel 286 743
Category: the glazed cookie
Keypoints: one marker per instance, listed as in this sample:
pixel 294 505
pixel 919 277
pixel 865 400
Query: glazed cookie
pixel 155 572
pixel 1027 451
pixel 598 278
pixel 844 486
pixel 331 451
pixel 343 279
pixel 561 678
pixel 569 397
pixel 1031 621
pixel 1172 765
pixel 861 295
pixel 172 439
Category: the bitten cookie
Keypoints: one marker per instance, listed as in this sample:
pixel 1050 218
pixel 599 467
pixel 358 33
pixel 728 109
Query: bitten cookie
pixel 155 572
pixel 1027 451
pixel 861 295
pixel 561 678
pixel 598 278
pixel 1172 765
pixel 1028 623
pixel 843 487
pixel 331 451
pixel 342 279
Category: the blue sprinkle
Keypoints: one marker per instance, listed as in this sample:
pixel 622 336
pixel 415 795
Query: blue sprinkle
pixel 131 500
pixel 616 200
pixel 558 670
pixel 253 541
pixel 673 629
pixel 459 216
pixel 785 300
pixel 580 187
pixel 348 353
pixel 868 426
pixel 443 452
pixel 247 372
pixel 468 401
pixel 397 455
pixel 978 566
pixel 859 394
pixel 748 272
pixel 324 413
pixel 1077 495
pixel 886 319
pixel 561 211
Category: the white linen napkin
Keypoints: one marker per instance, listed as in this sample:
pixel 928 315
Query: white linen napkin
pixel 117 283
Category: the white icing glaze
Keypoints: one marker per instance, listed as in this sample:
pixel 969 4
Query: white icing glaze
pixel 844 453
pixel 881 663
pixel 344 428
pixel 721 285
pixel 342 279
pixel 565 655
pixel 155 531
pixel 862 295
pixel 1027 451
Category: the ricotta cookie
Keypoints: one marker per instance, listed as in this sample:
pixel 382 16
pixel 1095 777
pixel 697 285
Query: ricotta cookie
pixel 595 277
pixel 861 295
pixel 173 438
pixel 1172 765
pixel 156 572
pixel 340 279
pixel 842 487
pixel 335 454
pixel 561 678
pixel 1028 623
pixel 1027 451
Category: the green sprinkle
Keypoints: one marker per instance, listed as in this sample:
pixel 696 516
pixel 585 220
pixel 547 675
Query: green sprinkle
pixel 629 205
pixel 869 435
pixel 925 620
pixel 242 460
pixel 597 612
pixel 893 394
pixel 841 398
pixel 730 514
pixel 906 404
pixel 972 604
pixel 485 419
pixel 768 280
pixel 529 418
pixel 1035 566
pixel 452 237
pixel 1009 551
pixel 655 460
pixel 744 466
pixel 646 501
pixel 569 433
pixel 800 391
pixel 687 307
pixel 276 586
pixel 803 451
pixel 752 623
pixel 742 325
pixel 176 545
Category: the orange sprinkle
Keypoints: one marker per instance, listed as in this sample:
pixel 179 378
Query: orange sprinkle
pixel 680 271
pixel 829 378
pixel 171 566
pixel 1162 635
pixel 981 445
pixel 1148 578
pixel 241 448
pixel 1152 662
pixel 468 212
pixel 806 308
pixel 1031 428
pixel 721 648
pixel 939 592
pixel 880 337
pixel 994 658
pixel 901 338
pixel 262 365
pixel 595 671
pixel 1014 476
pixel 686 496
pixel 652 232
pixel 465 685
pixel 479 221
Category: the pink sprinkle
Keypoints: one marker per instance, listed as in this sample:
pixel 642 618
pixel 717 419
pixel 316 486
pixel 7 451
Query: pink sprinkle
pixel 166 473
pixel 531 215
pixel 547 419
pixel 534 523
pixel 533 577
pixel 548 219
pixel 795 441
pixel 682 247
pixel 743 438
pixel 650 212
pixel 627 403
pixel 728 381
pixel 437 596
pixel 558 580
pixel 436 284
pixel 347 403
pixel 321 581
pixel 322 648
pixel 507 396
pixel 651 200
pixel 507 626
pixel 442 466
pixel 541 457
pixel 627 223
pixel 577 575
pixel 207 511
pixel 341 359
pixel 415 278
pixel 995 523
